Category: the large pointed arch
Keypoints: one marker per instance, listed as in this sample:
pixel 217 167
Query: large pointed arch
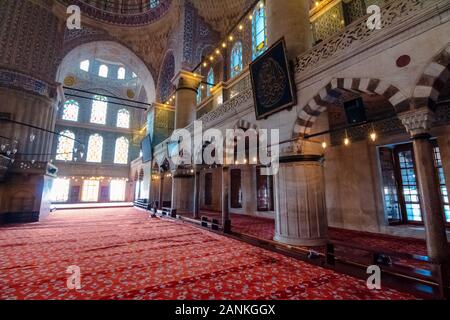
pixel 433 80
pixel 113 51
pixel 308 114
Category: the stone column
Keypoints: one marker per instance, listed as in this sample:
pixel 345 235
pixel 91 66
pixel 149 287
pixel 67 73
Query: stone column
pixel 187 85
pixel 418 124
pixel 226 221
pixel 197 195
pixel 31 40
pixel 161 191
pixel 289 18
pixel 301 215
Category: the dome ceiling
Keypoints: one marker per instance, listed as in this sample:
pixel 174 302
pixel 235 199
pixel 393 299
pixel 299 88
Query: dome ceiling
pixel 220 14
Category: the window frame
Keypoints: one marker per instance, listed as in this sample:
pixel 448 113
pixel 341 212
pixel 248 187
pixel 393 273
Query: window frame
pixel 68 103
pixel 67 135
pixel 400 184
pixel 116 150
pixel 237 50
pixel 102 69
pixel 97 99
pixel 83 190
pixel 435 145
pixel 89 148
pixel 261 6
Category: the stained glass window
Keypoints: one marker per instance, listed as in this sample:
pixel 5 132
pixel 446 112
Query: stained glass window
pixel 117 190
pixel 70 111
pixel 95 148
pixel 154 3
pixel 90 190
pixel 259 31
pixel 84 65
pixel 210 80
pixel 121 73
pixel 103 71
pixel 60 190
pixel 121 152
pixel 236 59
pixel 99 109
pixel 442 185
pixel 66 142
pixel 123 118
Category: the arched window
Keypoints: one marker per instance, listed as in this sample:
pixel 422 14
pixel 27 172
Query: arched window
pixel 259 31
pixel 103 71
pixel 121 152
pixel 84 65
pixel 123 118
pixel 236 59
pixel 95 148
pixel 154 3
pixel 70 111
pixel 121 73
pixel 99 109
pixel 209 79
pixel 66 142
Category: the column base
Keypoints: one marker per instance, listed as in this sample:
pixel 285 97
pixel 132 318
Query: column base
pixel 226 226
pixel 310 242
pixel 20 217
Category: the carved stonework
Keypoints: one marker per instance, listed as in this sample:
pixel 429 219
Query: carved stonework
pixel 129 14
pixel 357 34
pixel 418 121
pixel 16 80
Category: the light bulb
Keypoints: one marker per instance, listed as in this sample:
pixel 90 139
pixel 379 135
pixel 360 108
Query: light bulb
pixel 324 145
pixel 346 141
pixel 373 136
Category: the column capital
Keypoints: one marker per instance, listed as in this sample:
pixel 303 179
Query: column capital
pixel 187 80
pixel 417 122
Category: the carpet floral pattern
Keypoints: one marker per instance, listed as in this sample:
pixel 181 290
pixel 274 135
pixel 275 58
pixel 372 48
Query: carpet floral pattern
pixel 124 254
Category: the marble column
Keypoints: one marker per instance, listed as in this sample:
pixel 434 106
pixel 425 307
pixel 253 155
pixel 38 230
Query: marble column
pixel 418 123
pixel 301 215
pixel 289 19
pixel 226 221
pixel 187 85
pixel 31 40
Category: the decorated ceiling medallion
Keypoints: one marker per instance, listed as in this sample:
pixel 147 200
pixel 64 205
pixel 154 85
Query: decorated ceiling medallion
pixel 130 94
pixel 403 61
pixel 69 81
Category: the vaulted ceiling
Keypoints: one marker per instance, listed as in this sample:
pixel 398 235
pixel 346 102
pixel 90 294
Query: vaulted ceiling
pixel 148 31
pixel 221 14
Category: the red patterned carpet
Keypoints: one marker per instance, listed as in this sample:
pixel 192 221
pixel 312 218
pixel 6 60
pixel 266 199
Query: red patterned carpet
pixel 264 229
pixel 124 254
